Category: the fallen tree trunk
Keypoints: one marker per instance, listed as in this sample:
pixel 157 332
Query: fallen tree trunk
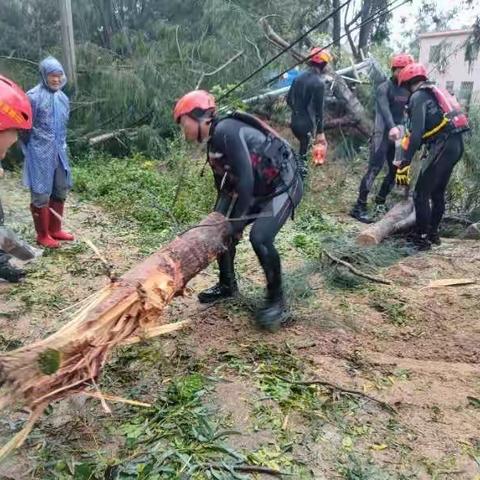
pixel 70 360
pixel 400 218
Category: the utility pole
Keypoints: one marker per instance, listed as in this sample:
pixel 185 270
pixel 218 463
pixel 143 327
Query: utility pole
pixel 68 44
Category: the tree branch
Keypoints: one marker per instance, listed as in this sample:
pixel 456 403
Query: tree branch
pixel 22 60
pixel 355 271
pixel 219 69
pixel 257 50
pixel 249 469
pixel 348 391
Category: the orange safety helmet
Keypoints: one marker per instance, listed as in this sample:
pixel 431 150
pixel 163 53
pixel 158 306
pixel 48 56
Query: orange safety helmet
pixel 412 71
pixel 401 60
pixel 15 108
pixel 320 55
pixel 199 100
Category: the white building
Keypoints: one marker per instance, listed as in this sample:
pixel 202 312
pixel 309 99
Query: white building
pixel 443 53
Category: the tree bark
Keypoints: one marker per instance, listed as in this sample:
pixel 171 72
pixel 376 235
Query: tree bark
pixel 337 24
pixel 70 360
pixel 398 219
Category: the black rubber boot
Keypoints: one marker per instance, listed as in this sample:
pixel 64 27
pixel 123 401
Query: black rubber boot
pixel 274 312
pixel 420 242
pixel 10 273
pixel 227 285
pixel 360 213
pixel 272 315
pixel 434 238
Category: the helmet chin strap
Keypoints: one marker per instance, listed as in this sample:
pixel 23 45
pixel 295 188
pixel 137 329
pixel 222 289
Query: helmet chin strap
pixel 199 132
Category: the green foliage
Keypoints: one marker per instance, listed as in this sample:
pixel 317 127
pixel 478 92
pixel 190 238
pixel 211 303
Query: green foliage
pixel 318 235
pixel 49 361
pixel 355 468
pixel 464 188
pixel 162 197
pixel 392 306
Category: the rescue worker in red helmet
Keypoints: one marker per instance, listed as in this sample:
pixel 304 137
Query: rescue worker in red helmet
pixel 15 115
pixel 257 181
pixel 390 99
pixel 435 119
pixel 306 99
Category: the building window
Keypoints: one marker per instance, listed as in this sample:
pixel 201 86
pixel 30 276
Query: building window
pixel 449 87
pixel 434 53
pixel 465 93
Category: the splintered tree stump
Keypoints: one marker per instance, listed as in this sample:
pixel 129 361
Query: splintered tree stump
pixel 398 219
pixel 70 360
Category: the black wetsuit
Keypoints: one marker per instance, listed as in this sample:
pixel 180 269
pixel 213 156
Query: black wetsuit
pixel 248 185
pixel 443 151
pixel 391 100
pixel 306 100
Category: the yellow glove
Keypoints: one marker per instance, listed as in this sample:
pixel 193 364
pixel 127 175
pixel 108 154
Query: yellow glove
pixel 402 176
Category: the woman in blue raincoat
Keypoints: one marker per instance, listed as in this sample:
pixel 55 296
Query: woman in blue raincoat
pixel 46 170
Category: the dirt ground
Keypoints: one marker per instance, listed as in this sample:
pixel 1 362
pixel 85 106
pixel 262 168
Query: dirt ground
pixel 421 356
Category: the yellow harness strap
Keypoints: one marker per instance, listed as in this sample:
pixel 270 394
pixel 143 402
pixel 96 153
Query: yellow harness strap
pixel 436 129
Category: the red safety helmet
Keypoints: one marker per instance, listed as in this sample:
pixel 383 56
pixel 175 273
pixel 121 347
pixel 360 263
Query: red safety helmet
pixel 412 71
pixel 401 60
pixel 195 100
pixel 320 55
pixel 15 108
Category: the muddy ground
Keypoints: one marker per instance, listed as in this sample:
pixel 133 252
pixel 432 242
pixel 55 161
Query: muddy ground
pixel 413 350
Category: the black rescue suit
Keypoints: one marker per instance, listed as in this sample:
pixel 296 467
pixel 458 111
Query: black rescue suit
pixel 256 177
pixel 443 151
pixel 390 100
pixel 306 100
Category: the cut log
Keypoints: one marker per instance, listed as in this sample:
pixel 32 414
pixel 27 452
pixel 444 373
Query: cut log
pixel 400 218
pixel 70 360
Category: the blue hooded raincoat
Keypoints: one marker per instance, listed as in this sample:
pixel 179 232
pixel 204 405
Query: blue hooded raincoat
pixel 46 147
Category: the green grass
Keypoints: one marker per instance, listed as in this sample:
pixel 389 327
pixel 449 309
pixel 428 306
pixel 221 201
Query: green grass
pixel 392 306
pixel 160 196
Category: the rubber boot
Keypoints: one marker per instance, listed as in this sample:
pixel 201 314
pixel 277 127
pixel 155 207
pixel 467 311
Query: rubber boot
pixel 434 238
pixel 420 241
pixel 55 225
pixel 274 312
pixel 360 213
pixel 227 285
pixel 41 220
pixel 10 273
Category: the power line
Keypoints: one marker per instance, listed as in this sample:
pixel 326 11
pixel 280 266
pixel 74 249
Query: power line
pixel 384 11
pixel 291 45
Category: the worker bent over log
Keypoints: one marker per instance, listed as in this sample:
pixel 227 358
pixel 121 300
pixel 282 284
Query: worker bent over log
pixel 258 182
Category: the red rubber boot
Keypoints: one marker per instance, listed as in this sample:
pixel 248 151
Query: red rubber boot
pixel 41 219
pixel 55 227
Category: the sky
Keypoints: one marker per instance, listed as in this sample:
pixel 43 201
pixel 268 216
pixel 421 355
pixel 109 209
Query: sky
pixel 409 10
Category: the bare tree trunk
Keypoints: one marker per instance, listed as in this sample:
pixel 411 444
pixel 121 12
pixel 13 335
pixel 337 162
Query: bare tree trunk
pixel 70 360
pixel 337 24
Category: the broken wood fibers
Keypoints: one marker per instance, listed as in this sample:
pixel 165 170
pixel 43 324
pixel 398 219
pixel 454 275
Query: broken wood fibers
pixel 70 360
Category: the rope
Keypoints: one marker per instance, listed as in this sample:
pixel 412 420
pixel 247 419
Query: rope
pixel 384 11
